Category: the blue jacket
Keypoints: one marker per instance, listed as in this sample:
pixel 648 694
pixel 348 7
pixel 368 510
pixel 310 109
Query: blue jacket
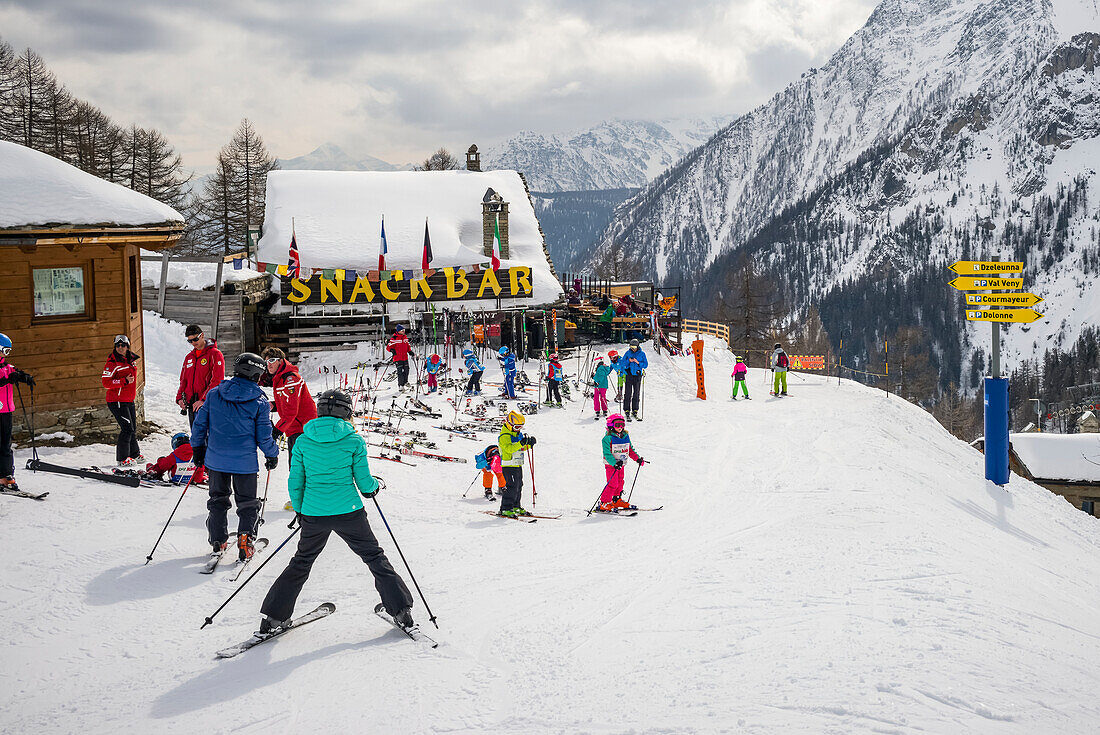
pixel 553 372
pixel 434 367
pixel 633 362
pixel 473 366
pixel 234 420
pixel 508 364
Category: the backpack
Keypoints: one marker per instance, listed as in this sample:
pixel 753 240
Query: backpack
pixel 782 361
pixel 481 461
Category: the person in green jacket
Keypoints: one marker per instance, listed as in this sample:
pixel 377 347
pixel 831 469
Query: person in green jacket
pixel 328 474
pixel 513 443
pixel 605 320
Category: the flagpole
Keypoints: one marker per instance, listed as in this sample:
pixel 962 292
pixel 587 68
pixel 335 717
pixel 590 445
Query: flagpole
pixel 381 263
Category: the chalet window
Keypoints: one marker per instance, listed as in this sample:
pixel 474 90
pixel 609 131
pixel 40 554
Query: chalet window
pixel 61 292
pixel 135 293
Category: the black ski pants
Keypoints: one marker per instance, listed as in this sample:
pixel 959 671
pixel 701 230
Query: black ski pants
pixel 633 393
pixel 513 488
pixel 474 383
pixel 402 372
pixel 7 459
pixel 356 533
pixel 553 392
pixel 127 444
pixel 243 489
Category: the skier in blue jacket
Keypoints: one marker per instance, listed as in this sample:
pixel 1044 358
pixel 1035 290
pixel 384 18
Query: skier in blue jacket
pixel 230 425
pixel 633 364
pixel 475 369
pixel 508 367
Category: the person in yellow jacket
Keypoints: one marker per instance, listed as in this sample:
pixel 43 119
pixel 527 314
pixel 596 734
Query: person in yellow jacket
pixel 513 443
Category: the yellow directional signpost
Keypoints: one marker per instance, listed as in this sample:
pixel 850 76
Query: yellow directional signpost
pixel 1019 300
pixel 979 275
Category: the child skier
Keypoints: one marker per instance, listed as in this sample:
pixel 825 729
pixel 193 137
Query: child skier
pixel 513 444
pixel 616 448
pixel 328 474
pixel 435 365
pixel 780 362
pixel 178 464
pixel 9 375
pixel 553 381
pixel 475 369
pixel 492 469
pixel 508 368
pixel 600 380
pixel 613 357
pixel 740 370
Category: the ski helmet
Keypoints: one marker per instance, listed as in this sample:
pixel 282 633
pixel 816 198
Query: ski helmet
pixel 491 451
pixel 599 358
pixel 433 359
pixel 778 346
pixel 514 419
pixel 553 356
pixel 612 355
pixel 336 403
pixel 249 365
pixel 615 418
pixel 178 440
pixel 5 341
pixel 502 351
pixel 467 353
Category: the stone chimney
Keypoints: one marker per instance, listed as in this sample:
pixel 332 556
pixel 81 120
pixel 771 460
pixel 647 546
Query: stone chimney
pixel 473 159
pixel 494 210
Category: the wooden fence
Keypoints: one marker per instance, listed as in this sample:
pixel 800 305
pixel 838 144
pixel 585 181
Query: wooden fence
pixel 197 307
pixel 714 329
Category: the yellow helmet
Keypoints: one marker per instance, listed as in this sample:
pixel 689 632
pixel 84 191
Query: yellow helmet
pixel 514 419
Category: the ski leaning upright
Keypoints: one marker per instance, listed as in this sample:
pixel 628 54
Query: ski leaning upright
pixel 321 611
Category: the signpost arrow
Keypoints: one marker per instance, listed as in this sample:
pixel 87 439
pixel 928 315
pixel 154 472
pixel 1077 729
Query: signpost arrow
pixel 1002 299
pixel 967 283
pixel 1020 316
pixel 985 267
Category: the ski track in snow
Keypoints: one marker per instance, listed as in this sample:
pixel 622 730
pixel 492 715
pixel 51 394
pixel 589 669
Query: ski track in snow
pixel 830 562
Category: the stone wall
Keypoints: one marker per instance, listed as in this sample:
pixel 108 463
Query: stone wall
pixel 88 425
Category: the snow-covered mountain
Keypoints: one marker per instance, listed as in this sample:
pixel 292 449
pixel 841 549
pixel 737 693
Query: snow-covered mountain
pixel 941 129
pixel 330 157
pixel 615 154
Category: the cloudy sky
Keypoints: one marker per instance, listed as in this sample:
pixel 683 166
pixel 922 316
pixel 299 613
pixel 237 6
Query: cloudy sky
pixel 398 79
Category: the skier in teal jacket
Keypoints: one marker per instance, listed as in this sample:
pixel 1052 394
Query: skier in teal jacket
pixel 329 477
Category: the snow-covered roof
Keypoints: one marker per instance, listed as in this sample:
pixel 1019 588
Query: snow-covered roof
pixel 38 190
pixel 337 217
pixel 1072 457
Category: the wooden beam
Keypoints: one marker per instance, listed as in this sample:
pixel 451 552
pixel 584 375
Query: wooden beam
pixel 72 247
pixel 163 281
pixel 28 249
pixel 217 299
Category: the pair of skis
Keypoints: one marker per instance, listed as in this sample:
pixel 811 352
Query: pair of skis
pixel 531 518
pixel 321 611
pixel 215 558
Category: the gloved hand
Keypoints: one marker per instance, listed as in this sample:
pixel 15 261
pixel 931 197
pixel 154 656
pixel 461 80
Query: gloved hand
pixel 619 465
pixel 271 463
pixel 641 461
pixel 372 493
pixel 276 435
pixel 530 441
pixel 199 457
pixel 25 377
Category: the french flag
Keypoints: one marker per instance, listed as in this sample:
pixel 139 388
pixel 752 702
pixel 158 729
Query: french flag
pixel 382 248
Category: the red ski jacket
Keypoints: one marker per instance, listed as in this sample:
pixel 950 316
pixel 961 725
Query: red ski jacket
pixel 400 347
pixel 120 378
pixel 201 372
pixel 183 453
pixel 293 402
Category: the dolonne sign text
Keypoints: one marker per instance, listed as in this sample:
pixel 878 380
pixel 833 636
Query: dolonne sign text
pixel 444 284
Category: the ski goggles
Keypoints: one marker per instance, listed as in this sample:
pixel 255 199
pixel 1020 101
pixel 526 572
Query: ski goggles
pixel 273 360
pixel 618 425
pixel 5 350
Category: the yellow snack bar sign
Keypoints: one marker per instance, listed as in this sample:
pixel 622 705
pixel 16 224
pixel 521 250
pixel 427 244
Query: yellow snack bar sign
pixel 1002 299
pixel 985 267
pixel 444 284
pixel 968 283
pixel 1020 316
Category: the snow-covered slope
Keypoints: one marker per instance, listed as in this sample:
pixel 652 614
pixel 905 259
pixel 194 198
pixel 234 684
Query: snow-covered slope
pixel 330 157
pixel 941 129
pixel 615 154
pixel 828 562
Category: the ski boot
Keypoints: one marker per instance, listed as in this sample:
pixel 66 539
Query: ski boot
pixel 618 504
pixel 626 414
pixel 488 493
pixel 126 463
pixel 521 512
pixel 404 618
pixel 269 625
pixel 245 547
pixel 8 484
pixel 608 507
pixel 637 417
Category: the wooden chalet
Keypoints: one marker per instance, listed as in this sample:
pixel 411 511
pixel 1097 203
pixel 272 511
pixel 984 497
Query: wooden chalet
pixel 70 280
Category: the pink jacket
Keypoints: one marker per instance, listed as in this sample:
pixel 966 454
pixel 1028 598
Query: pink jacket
pixel 739 370
pixel 7 393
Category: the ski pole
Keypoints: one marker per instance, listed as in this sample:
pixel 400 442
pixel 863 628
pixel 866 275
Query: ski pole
pixel 431 617
pixel 263 501
pixel 633 483
pixel 590 510
pixel 531 464
pixel 185 488
pixel 27 421
pixel 210 618
pixel 472 483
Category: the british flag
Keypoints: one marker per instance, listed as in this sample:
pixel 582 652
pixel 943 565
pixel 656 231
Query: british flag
pixel 293 263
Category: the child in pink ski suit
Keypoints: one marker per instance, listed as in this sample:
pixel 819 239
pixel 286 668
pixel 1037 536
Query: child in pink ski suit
pixel 740 370
pixel 600 382
pixel 616 448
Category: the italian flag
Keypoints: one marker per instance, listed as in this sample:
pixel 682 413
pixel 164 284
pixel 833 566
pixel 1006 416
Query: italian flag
pixel 496 244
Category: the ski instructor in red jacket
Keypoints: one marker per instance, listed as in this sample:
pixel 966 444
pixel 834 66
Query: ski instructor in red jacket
pixel 203 369
pixel 400 348
pixel 120 380
pixel 293 402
